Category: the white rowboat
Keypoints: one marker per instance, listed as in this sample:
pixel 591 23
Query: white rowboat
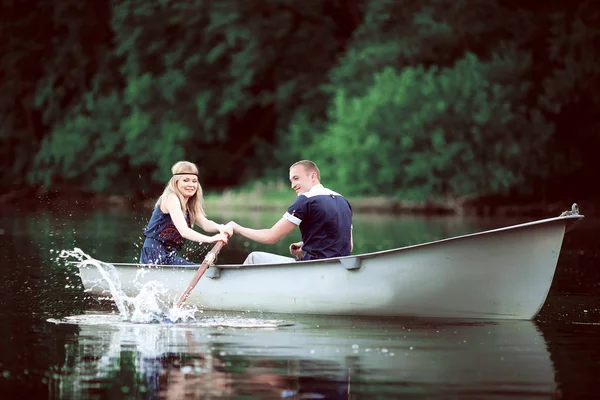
pixel 503 273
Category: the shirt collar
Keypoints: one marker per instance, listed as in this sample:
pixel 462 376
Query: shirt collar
pixel 316 188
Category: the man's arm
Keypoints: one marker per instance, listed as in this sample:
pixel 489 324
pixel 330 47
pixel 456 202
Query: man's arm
pixel 211 226
pixel 265 236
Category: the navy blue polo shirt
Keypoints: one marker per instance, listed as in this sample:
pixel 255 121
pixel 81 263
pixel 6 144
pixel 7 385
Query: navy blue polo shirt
pixel 325 221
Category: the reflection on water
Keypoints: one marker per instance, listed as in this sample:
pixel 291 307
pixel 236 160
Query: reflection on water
pixel 317 357
pixel 204 321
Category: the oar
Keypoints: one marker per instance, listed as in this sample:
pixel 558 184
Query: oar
pixel 208 260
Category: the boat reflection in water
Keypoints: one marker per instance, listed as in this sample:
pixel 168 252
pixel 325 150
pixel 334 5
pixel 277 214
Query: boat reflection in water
pixel 316 357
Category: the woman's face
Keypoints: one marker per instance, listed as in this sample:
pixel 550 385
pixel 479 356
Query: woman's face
pixel 188 185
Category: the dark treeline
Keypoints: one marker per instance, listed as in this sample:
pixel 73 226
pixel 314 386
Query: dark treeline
pixel 415 99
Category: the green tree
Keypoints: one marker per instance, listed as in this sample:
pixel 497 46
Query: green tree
pixel 441 98
pixel 48 54
pixel 568 94
pixel 498 95
pixel 430 132
pixel 208 81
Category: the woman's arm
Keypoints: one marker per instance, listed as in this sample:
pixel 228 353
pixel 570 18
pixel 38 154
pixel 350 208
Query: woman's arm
pixel 173 206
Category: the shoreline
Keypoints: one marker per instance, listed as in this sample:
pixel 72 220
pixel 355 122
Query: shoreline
pixel 392 206
pixel 378 205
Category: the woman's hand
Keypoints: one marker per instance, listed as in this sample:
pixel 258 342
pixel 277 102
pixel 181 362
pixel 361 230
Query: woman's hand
pixel 218 237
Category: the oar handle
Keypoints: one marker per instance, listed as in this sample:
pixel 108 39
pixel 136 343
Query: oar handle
pixel 209 259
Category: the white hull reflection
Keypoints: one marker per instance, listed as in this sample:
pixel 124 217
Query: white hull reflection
pixel 449 358
pixel 499 274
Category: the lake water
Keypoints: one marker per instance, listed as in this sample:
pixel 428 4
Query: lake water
pixel 56 342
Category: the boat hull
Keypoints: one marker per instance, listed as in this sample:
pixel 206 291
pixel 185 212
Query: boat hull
pixel 500 274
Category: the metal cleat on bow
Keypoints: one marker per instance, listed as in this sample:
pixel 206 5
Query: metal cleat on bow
pixel 574 211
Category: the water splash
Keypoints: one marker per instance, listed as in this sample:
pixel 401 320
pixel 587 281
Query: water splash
pixel 148 306
pixel 209 321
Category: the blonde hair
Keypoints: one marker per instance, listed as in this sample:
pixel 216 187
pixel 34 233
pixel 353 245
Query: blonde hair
pixel 309 167
pixel 195 204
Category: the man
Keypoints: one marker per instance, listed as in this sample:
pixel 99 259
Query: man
pixel 324 218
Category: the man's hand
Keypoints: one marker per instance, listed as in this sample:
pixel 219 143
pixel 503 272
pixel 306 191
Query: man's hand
pixel 296 249
pixel 231 225
pixel 226 229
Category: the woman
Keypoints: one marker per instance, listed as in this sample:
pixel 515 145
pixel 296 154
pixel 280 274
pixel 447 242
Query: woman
pixel 174 215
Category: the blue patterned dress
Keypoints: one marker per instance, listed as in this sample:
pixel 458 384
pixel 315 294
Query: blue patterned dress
pixel 163 241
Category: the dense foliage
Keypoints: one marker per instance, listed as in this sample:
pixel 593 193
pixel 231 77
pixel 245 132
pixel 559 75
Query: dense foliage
pixel 413 99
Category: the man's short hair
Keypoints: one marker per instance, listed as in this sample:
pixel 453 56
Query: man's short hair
pixel 309 166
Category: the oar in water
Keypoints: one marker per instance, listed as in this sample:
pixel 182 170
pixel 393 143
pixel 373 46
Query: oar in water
pixel 208 261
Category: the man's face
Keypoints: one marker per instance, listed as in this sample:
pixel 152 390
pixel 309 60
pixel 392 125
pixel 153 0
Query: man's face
pixel 301 180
